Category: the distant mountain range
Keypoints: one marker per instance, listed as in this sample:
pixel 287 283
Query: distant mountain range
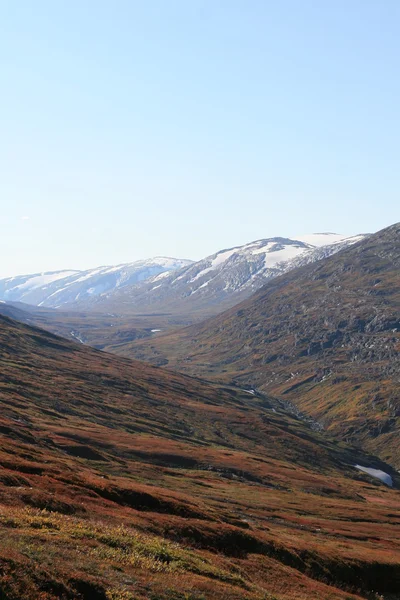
pixel 59 288
pixel 177 286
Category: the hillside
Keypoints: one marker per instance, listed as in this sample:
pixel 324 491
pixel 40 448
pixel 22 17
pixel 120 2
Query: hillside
pixel 119 480
pixel 217 282
pixel 325 336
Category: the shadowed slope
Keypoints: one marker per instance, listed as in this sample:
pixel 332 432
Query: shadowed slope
pixel 326 336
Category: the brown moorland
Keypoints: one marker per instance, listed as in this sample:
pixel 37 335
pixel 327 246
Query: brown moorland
pixel 123 481
pixel 325 337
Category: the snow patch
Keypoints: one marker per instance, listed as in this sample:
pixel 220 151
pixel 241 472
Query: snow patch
pixel 377 473
pixel 77 337
pixel 36 281
pixel 161 276
pixel 287 253
pixel 218 260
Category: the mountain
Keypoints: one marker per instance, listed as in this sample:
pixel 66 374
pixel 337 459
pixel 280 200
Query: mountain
pixel 105 309
pixel 325 337
pixel 183 291
pixel 64 287
pixel 119 480
pixel 221 280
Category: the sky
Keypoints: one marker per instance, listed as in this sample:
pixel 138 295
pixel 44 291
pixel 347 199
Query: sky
pixel 132 129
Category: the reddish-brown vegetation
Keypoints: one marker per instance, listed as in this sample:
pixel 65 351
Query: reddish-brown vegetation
pixel 122 481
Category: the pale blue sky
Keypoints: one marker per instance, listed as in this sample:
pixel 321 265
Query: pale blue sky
pixel 131 129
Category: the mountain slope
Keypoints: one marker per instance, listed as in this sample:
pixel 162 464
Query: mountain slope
pixel 325 336
pixel 119 480
pixel 221 280
pixel 63 287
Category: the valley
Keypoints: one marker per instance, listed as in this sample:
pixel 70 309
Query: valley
pixel 324 337
pixel 262 463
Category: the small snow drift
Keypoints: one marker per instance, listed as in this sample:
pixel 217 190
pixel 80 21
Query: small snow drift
pixel 377 473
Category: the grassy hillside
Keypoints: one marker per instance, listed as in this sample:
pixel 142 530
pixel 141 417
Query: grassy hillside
pixel 123 481
pixel 326 337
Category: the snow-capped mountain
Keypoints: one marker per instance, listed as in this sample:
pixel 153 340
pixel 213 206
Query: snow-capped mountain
pixel 226 277
pixel 175 285
pixel 65 287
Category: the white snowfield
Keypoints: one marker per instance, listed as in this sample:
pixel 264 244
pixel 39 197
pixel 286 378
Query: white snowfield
pixel 36 281
pixel 321 239
pixel 161 275
pixel 377 473
pixel 318 240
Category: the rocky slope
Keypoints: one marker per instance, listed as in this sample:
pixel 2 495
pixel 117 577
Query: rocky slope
pixel 325 337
